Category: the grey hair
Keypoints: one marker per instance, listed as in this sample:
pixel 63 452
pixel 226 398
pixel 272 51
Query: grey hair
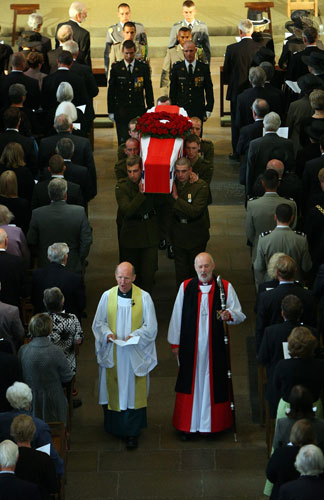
pixel 64 33
pixel 5 215
pixel 211 258
pixel 246 26
pixel 272 265
pixel 67 108
pixel 34 21
pixel 257 76
pixel 65 148
pixel 71 46
pixel 76 8
pixel 268 68
pixel 260 107
pixel 64 92
pixel 19 395
pixel 40 325
pixel 53 299
pixel 62 123
pixel 271 122
pixel 17 91
pixel 57 252
pixel 8 454
pixel 310 461
pixel 57 189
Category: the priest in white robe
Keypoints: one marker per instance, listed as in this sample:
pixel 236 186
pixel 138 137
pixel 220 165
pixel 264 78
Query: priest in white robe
pixel 196 334
pixel 125 329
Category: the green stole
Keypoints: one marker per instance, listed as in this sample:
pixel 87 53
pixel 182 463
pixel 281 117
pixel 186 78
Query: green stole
pixel 111 373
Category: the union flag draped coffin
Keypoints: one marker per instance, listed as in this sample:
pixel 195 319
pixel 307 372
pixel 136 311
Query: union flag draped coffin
pixel 159 154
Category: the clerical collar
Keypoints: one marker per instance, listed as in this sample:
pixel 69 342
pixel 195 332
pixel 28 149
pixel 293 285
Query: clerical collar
pixel 205 283
pixel 127 295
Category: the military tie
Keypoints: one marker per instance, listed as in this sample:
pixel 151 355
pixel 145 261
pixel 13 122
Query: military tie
pixel 129 69
pixel 190 26
pixel 190 69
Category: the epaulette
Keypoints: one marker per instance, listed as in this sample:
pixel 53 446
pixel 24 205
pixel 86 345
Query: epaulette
pixel 265 233
pixel 300 233
pixel 176 24
pixel 111 28
pixel 254 198
pixel 177 62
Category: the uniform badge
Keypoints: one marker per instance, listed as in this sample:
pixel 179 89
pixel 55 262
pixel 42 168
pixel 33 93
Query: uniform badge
pixel 189 198
pixel 138 82
pixel 199 81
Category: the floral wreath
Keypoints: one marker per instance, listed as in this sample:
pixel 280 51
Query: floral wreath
pixel 163 125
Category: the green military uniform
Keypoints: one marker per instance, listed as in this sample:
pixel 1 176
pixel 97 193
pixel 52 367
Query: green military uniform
pixel 139 235
pixel 260 216
pixel 116 53
pixel 207 150
pixel 200 35
pixel 282 239
pixel 204 170
pixel 120 168
pixel 173 55
pixel 189 226
pixel 115 36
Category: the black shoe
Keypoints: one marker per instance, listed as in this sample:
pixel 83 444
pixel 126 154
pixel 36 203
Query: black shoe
pixel 162 245
pixel 131 442
pixel 170 252
pixel 185 436
pixel 76 403
pixel 234 157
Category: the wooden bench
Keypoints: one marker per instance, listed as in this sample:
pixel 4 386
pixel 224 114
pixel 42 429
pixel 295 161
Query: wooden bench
pixel 59 441
pixel 299 4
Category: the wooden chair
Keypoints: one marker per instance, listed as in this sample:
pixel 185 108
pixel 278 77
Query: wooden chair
pixel 262 7
pixel 300 4
pixel 19 9
pixel 59 441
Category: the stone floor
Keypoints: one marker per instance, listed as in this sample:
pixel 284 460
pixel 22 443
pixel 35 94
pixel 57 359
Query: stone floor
pixel 163 467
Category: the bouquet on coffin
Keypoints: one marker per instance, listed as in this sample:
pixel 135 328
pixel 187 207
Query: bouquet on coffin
pixel 162 131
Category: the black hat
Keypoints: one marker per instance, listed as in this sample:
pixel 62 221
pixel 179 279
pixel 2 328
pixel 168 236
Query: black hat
pixel 256 17
pixel 297 20
pixel 315 129
pixel 307 83
pixel 263 55
pixel 314 60
pixel 30 39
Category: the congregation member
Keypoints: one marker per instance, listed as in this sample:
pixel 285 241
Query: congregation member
pixel 17 244
pixel 9 371
pixel 115 32
pixel 238 59
pixel 78 14
pixel 125 313
pixel 282 239
pixel 13 277
pixel 35 23
pixel 137 217
pixel 203 402
pixel 17 97
pixel 10 484
pixel 269 302
pixel 45 369
pixel 297 67
pixel 130 91
pixel 19 397
pixel 12 159
pixel 198 29
pixel 20 207
pixel 63 222
pixel 196 98
pixel 189 219
pixel 11 327
pixel 35 62
pixel 63 35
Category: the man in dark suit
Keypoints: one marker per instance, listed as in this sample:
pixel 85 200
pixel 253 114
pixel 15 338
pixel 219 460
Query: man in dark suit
pixel 63 74
pixel 238 58
pixel 257 78
pixel 269 305
pixel 63 222
pixel 297 66
pixel 10 485
pixel 311 184
pixel 63 35
pixel 17 76
pixel 11 120
pixel 191 86
pixel 260 108
pixel 12 274
pixel 78 14
pixel 11 327
pixel 56 169
pixel 10 371
pixel 266 148
pixel 130 91
pixel 84 72
pixel 73 172
pixel 82 149
pixel 55 274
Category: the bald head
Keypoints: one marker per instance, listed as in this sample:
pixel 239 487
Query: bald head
pixel 125 276
pixel 276 165
pixel 204 266
pixel 64 33
pixel 131 147
pixel 189 51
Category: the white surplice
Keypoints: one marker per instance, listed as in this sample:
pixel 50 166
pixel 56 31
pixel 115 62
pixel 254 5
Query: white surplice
pixel 201 411
pixel 132 360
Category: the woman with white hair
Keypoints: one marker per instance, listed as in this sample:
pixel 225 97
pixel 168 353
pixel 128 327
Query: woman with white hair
pixel 310 485
pixel 35 23
pixel 64 96
pixel 17 244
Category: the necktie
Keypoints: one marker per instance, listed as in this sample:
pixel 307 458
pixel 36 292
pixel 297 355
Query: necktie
pixel 190 26
pixel 190 69
pixel 129 69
